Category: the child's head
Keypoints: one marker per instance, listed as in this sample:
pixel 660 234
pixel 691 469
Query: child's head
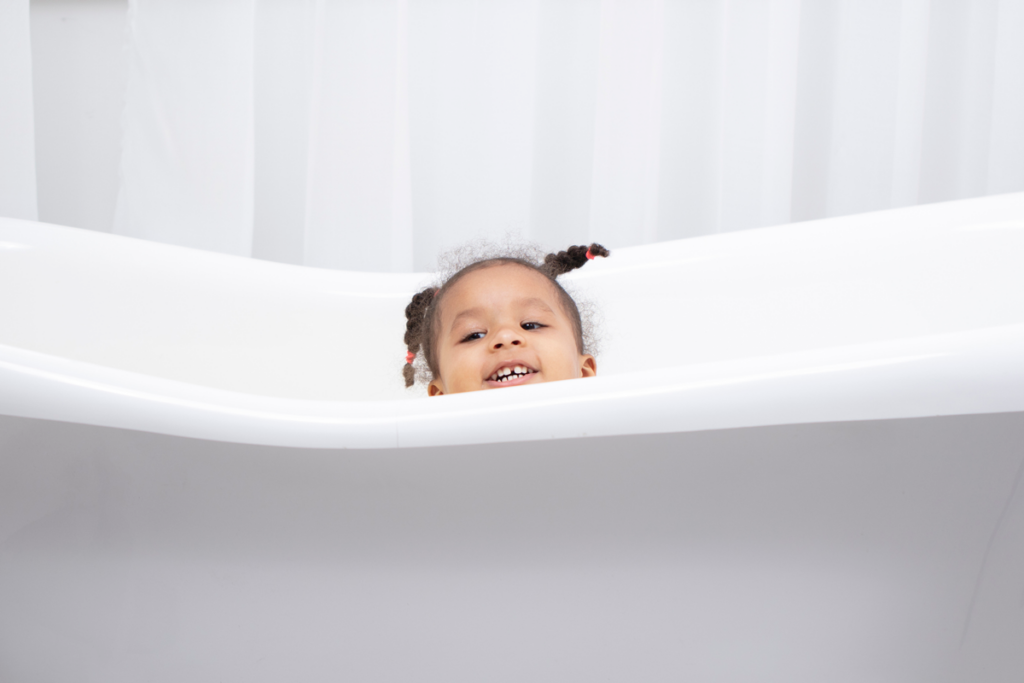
pixel 500 322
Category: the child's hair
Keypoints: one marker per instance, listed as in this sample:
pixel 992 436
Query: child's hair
pixel 423 312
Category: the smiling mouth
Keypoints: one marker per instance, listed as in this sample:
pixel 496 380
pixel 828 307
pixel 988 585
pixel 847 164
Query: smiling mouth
pixel 510 374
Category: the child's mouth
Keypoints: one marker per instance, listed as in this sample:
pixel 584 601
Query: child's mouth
pixel 508 376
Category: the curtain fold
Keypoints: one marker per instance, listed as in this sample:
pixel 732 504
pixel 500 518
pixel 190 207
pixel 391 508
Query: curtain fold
pixel 352 141
pixel 17 129
pixel 282 78
pixel 1006 137
pixel 372 134
pixel 472 82
pixel 187 152
pixel 628 84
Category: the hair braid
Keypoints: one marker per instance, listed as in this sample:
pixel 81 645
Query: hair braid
pixel 415 314
pixel 571 259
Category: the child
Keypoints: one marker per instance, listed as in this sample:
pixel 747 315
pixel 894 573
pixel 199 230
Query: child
pixel 499 322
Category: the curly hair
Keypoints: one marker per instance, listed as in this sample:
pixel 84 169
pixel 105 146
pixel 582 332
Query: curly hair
pixel 424 311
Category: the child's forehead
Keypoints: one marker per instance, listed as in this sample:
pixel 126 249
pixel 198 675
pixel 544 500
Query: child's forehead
pixel 504 277
pixel 505 284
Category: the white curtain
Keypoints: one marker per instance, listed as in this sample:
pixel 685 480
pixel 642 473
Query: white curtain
pixel 187 150
pixel 370 134
pixel 17 128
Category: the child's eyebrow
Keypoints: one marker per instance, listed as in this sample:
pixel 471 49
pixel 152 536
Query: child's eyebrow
pixel 468 313
pixel 534 301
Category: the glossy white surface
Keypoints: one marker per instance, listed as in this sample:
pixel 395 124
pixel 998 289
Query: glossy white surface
pixel 904 313
pixel 809 468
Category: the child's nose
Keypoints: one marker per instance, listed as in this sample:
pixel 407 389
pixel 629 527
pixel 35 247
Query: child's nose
pixel 507 337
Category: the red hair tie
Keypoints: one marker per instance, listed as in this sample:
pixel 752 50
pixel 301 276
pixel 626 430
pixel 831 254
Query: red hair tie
pixel 589 255
pixel 409 357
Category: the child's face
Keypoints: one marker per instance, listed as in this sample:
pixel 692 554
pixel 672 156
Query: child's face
pixel 504 318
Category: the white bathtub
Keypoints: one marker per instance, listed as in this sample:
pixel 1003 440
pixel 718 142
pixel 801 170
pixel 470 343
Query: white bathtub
pixel 801 461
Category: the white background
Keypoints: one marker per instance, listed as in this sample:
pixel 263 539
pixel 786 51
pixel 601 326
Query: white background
pixel 371 135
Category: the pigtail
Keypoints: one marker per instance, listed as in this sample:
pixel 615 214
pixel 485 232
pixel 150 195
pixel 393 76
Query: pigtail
pixel 571 259
pixel 415 316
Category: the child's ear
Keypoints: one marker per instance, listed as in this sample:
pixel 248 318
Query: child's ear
pixel 588 368
pixel 435 388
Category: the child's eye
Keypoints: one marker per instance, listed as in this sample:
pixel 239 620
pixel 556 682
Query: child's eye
pixel 532 326
pixel 472 336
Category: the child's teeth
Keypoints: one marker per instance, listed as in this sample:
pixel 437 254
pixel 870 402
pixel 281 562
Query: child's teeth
pixel 505 374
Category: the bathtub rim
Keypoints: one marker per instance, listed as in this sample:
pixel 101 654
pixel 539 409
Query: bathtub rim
pixel 972 372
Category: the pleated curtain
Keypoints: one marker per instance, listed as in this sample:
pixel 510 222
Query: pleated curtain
pixel 373 134
pixel 17 130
